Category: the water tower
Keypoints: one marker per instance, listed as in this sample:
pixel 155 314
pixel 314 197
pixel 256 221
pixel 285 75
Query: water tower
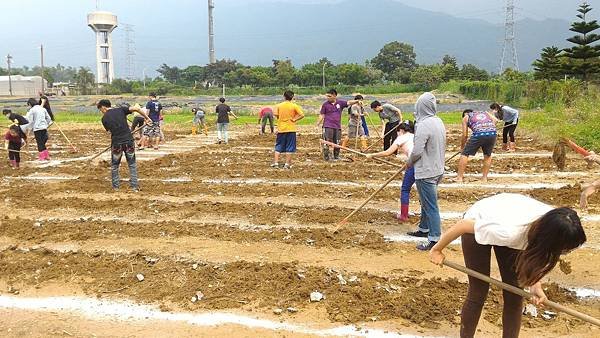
pixel 103 23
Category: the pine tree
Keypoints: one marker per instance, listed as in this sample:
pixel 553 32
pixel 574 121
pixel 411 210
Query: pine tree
pixel 549 66
pixel 584 56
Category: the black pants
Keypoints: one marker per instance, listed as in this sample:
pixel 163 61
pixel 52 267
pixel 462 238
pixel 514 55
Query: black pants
pixel 509 131
pixel 41 137
pixel 14 155
pixel 477 257
pixel 138 121
pixel 389 139
pixel 334 136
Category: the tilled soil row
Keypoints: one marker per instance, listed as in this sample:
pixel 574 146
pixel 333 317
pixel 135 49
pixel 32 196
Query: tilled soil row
pixel 59 231
pixel 349 298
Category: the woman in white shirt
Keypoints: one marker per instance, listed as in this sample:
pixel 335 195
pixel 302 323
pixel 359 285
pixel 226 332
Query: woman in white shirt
pixel 528 238
pixel 403 145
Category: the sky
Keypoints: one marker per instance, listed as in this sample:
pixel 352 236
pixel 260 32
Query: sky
pixel 61 26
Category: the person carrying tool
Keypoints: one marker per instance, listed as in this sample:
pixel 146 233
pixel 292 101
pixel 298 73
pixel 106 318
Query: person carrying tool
pixel 527 241
pixel 483 126
pixel 510 116
pixel 428 157
pixel 151 133
pixel 393 116
pixel 114 120
pixel 199 120
pixel 330 119
pixel 590 188
pixel 14 139
pixel 355 127
pixel 287 114
pixel 138 121
pixel 403 145
pixel 39 121
pixel 266 115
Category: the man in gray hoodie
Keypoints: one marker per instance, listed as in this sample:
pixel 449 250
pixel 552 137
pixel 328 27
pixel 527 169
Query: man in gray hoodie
pixel 428 158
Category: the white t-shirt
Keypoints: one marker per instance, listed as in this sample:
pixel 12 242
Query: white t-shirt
pixel 405 143
pixel 504 219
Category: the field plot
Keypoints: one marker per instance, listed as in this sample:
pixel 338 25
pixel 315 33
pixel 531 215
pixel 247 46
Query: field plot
pixel 219 244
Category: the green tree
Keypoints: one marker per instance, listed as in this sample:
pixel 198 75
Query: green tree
pixel 429 75
pixel 549 66
pixel 473 73
pixel 215 72
pixel 122 86
pixel 192 75
pixel 450 69
pixel 584 56
pixel 311 74
pixel 85 80
pixel 284 72
pixel 170 74
pixel 395 59
pixel 352 74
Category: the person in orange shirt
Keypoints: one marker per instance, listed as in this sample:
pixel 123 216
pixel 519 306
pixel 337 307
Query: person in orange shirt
pixel 287 114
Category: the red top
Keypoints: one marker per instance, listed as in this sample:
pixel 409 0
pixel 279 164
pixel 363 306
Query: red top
pixel 10 138
pixel 264 111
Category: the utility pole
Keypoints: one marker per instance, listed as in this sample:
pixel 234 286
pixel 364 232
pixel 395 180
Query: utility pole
pixel 130 51
pixel 211 33
pixel 42 66
pixel 144 76
pixel 9 61
pixel 324 64
pixel 510 44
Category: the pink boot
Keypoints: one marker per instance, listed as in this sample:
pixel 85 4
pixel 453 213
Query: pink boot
pixel 403 216
pixel 14 164
pixel 41 156
pixel 46 155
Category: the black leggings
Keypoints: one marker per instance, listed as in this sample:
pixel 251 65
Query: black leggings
pixel 14 155
pixel 41 137
pixel 389 139
pixel 509 131
pixel 477 257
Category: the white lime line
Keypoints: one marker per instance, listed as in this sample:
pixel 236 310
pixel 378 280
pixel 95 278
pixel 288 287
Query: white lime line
pixel 125 311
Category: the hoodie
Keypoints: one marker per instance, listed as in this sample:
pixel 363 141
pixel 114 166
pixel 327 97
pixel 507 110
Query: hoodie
pixel 38 118
pixel 429 151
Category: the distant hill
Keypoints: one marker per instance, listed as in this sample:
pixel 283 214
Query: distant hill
pixel 355 30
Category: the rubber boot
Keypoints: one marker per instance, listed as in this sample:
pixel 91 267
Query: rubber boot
pixel 17 165
pixel 194 130
pixel 46 155
pixel 14 164
pixel 363 144
pixel 403 213
pixel 326 156
pixel 41 156
pixel 505 146
pixel 512 147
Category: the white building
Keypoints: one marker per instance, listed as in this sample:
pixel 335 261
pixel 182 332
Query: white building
pixel 22 85
pixel 103 23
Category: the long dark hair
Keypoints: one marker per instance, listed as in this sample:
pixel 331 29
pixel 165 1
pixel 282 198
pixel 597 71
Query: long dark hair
pixel 407 126
pixel 557 232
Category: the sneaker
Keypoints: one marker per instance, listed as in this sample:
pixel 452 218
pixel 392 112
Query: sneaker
pixel 275 165
pixel 219 142
pixel 287 166
pixel 426 246
pixel 418 233
pixel 135 190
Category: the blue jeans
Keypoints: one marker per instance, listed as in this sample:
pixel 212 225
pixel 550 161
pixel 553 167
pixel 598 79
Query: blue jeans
pixel 430 212
pixel 117 154
pixel 222 132
pixel 407 183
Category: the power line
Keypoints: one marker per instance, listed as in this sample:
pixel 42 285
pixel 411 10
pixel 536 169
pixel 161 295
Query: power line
pixel 510 45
